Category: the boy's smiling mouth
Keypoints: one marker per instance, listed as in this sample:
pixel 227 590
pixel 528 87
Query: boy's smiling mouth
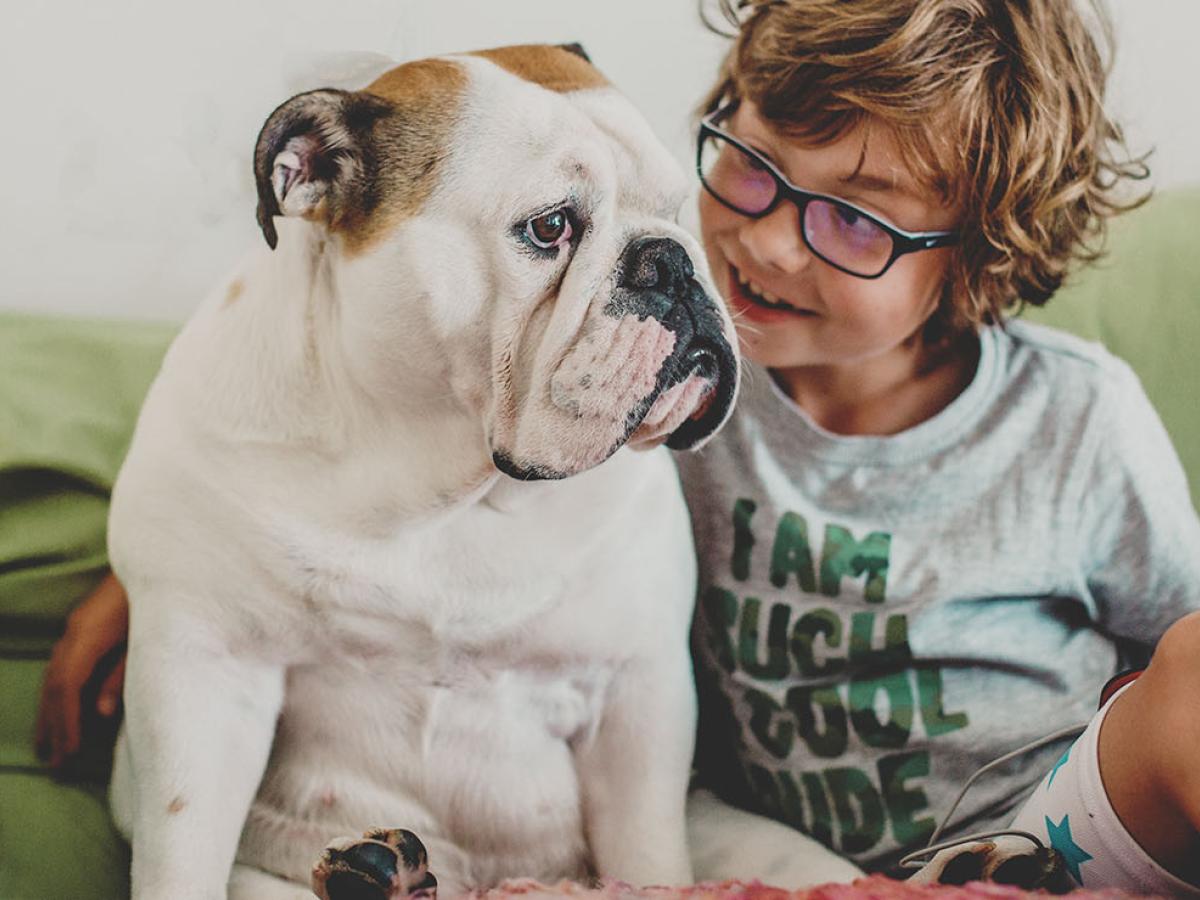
pixel 745 288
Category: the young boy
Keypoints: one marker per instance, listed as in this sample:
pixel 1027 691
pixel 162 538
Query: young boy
pixel 927 537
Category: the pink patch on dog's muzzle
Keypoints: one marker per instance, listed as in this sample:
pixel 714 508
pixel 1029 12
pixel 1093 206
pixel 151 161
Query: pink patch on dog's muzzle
pixel 606 380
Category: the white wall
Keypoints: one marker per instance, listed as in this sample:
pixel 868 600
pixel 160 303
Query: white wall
pixel 1155 84
pixel 128 126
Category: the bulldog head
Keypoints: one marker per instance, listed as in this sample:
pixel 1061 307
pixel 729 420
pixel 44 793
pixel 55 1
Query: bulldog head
pixel 498 231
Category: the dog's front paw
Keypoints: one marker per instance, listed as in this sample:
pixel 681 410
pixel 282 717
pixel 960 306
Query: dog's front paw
pixel 384 864
pixel 1004 860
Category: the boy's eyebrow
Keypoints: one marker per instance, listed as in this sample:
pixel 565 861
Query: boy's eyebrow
pixel 870 181
pixel 867 181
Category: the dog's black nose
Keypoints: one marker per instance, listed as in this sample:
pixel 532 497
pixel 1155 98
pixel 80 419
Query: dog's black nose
pixel 657 263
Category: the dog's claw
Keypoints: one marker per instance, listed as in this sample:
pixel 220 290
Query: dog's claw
pixel 426 889
pixel 385 864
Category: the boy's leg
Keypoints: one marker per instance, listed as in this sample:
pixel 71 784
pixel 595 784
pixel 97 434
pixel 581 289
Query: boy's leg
pixel 1149 747
pixel 1073 812
pixel 1122 805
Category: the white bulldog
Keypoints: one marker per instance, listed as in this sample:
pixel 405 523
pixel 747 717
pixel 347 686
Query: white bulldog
pixel 361 593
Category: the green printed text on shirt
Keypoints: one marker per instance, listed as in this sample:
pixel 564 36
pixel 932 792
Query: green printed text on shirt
pixel 821 668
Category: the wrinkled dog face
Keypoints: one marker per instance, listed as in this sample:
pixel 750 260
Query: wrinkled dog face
pixel 504 225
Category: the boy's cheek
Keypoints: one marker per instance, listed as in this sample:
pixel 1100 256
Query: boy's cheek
pixel 711 217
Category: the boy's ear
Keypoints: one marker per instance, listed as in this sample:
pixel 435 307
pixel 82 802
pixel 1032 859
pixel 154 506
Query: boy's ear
pixel 309 159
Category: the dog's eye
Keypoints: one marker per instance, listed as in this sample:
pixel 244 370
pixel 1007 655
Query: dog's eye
pixel 549 230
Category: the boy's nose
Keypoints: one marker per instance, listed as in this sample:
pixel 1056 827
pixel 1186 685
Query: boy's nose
pixel 775 242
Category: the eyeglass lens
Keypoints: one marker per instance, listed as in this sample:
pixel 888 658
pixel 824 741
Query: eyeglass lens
pixel 838 233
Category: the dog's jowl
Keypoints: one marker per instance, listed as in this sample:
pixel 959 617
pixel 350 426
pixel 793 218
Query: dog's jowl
pixel 402 549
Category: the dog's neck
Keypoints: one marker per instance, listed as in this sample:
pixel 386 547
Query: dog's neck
pixel 283 393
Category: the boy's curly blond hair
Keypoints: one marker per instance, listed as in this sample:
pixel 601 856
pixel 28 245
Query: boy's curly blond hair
pixel 997 105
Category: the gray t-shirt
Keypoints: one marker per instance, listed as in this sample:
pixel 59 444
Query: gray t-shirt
pixel 880 616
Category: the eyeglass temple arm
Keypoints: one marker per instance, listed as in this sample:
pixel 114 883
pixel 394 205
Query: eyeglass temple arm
pixel 926 240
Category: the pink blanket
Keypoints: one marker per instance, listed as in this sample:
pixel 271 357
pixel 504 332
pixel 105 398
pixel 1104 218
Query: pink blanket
pixel 874 888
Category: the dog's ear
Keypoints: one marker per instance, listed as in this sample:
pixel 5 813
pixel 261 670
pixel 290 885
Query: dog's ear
pixel 312 157
pixel 577 49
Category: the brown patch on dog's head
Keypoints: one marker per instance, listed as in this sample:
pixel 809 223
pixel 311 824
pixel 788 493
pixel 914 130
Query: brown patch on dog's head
pixel 414 85
pixel 557 68
pixel 409 143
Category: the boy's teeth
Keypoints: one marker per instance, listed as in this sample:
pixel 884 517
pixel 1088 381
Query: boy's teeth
pixel 756 289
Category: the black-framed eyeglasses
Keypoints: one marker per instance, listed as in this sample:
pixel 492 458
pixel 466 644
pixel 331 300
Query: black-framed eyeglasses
pixel 845 236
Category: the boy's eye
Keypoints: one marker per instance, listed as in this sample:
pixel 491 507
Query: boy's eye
pixel 847 215
pixel 753 162
pixel 854 221
pixel 550 229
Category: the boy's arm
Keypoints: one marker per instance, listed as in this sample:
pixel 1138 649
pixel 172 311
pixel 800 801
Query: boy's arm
pixel 95 628
pixel 1141 531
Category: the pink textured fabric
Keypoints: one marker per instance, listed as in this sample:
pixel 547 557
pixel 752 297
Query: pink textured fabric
pixel 876 887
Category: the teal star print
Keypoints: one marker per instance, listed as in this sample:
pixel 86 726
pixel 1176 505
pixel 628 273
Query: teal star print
pixel 1072 853
pixel 1058 765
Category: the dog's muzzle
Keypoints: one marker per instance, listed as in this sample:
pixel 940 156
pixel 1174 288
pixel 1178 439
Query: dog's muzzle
pixel 656 278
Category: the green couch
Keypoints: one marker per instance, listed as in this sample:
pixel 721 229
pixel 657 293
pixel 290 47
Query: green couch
pixel 69 393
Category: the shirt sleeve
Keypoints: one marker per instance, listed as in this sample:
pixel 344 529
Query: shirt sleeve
pixel 1142 550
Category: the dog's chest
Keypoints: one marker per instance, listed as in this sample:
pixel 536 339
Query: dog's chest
pixel 457 623
pixel 543 576
pixel 449 741
pixel 447 693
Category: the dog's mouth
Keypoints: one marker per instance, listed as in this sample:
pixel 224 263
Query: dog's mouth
pixel 695 391
pixel 681 401
pixel 714 364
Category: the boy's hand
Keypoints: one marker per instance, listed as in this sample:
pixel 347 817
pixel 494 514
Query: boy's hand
pixel 96 630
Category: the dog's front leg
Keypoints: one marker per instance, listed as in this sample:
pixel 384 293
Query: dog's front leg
pixel 199 723
pixel 634 773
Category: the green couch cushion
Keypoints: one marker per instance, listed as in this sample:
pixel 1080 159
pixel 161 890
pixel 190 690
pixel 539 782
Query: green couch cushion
pixel 56 839
pixel 69 395
pixel 57 843
pixel 1142 301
